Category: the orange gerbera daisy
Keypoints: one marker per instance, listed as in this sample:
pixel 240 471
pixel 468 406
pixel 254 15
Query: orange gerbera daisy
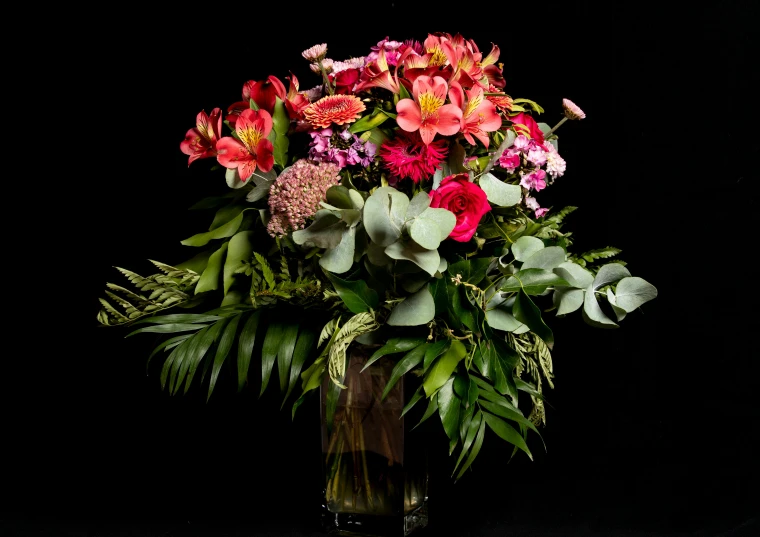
pixel 338 109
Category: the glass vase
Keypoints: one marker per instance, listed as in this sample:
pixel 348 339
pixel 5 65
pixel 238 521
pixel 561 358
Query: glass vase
pixel 375 467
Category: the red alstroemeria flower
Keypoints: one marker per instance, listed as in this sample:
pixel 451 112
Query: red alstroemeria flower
pixel 262 92
pixel 377 74
pixel 295 101
pixel 492 71
pixel 427 112
pixel 479 115
pixel 253 150
pixel 200 141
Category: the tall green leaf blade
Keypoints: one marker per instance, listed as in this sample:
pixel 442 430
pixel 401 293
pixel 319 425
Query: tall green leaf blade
pixel 472 429
pixel 169 343
pixel 179 318
pixel 504 411
pixel 448 409
pixel 168 364
pixel 432 408
pixel 198 346
pixel 506 432
pixel 433 351
pixel 393 346
pixel 245 347
pixel 167 328
pixel 222 232
pixel 182 361
pixel 413 400
pixel 222 351
pixel 209 280
pixel 305 345
pixel 213 335
pixel 285 353
pixel 443 367
pixel 240 249
pixel 406 364
pixel 476 445
pixel 269 352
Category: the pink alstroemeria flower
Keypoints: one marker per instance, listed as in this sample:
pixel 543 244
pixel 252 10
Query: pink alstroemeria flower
pixel 427 112
pixel 253 150
pixel 200 141
pixel 479 115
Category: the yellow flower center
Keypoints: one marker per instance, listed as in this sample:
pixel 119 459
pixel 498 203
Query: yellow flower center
pixel 429 105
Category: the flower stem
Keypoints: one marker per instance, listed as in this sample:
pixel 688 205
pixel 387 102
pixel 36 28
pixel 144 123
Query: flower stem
pixel 554 128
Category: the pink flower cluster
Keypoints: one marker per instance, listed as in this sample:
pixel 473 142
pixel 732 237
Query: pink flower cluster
pixel 295 195
pixel 536 162
pixel 354 150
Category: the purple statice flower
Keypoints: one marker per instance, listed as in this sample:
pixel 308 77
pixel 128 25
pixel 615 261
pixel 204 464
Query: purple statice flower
pixel 295 195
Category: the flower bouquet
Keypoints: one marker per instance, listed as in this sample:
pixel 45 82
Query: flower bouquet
pixel 387 216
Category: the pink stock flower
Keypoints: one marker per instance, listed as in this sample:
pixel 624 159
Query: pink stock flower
pixel 572 111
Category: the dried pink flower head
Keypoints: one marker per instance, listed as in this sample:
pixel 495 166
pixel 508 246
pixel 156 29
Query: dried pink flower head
pixel 315 53
pixel 572 111
pixel 295 195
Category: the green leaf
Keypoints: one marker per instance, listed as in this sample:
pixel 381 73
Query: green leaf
pixel 418 394
pixel 448 409
pixel 222 351
pixel 631 292
pixel 533 281
pixel 269 352
pixel 384 215
pixel 394 346
pixel 168 344
pixel 341 258
pixel 168 328
pixel 179 318
pixel 473 428
pixel 370 121
pixel 240 249
pixel 212 337
pixel 526 246
pixel 305 345
pixel 502 361
pixel 431 409
pixel 574 274
pixel 414 310
pixel 432 226
pixel 410 360
pixel 169 363
pixel 427 260
pixel 547 258
pixel 196 346
pixel 466 389
pixel 472 270
pixel 325 232
pixel 287 344
pixel 222 232
pixel 285 353
pixel 209 280
pixel 476 445
pixel 506 432
pixel 443 367
pixel 528 313
pixel 503 410
pixel 433 351
pixel 500 193
pixel 245 347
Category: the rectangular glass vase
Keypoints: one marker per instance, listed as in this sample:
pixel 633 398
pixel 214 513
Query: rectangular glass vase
pixel 375 468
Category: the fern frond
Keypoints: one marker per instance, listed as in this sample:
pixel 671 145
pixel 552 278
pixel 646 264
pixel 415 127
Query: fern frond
pixel 154 293
pixel 601 253
pixel 266 270
pixel 560 215
pixel 359 324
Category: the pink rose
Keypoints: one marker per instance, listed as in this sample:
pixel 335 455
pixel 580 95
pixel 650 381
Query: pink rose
pixel 466 200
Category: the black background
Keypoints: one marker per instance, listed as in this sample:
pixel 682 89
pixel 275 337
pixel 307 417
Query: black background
pixel 651 428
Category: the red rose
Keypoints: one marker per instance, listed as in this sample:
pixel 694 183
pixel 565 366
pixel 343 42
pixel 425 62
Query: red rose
pixel 534 130
pixel 466 200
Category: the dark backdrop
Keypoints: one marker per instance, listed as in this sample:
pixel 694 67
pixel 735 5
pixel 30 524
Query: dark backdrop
pixel 651 428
